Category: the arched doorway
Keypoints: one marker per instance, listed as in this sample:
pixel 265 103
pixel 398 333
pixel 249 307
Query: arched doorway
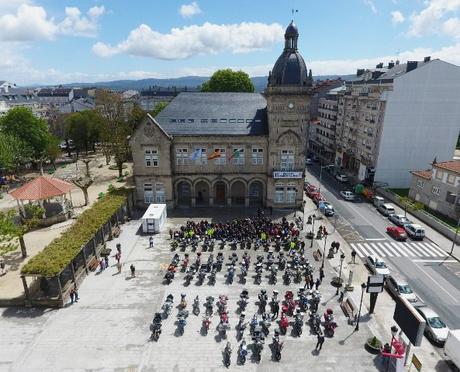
pixel 184 194
pixel 201 194
pixel 238 193
pixel 256 194
pixel 220 193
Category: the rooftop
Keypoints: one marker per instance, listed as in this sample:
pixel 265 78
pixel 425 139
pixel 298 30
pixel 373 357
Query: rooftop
pixel 423 174
pixel 215 114
pixel 452 165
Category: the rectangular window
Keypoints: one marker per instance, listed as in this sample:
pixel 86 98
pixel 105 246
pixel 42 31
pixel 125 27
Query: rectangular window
pixel 181 120
pixel 160 195
pixel 191 120
pixel 221 160
pixel 451 179
pixel 213 120
pixel 238 156
pixel 232 121
pixel 223 121
pixel 287 160
pixel 181 156
pixel 204 120
pixel 148 193
pixel 248 120
pixel 240 120
pixel 436 190
pixel 279 194
pixel 151 157
pixel 420 183
pixel 257 156
pixel 173 120
pixel 291 194
pixel 450 197
pixel 439 174
pixel 199 156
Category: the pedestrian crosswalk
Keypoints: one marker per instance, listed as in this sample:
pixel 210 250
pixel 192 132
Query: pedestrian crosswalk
pixel 398 249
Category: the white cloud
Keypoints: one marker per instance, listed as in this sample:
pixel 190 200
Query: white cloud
pixel 31 22
pixel 452 27
pixel 427 21
pixel 7 6
pixel 193 40
pixel 78 25
pixel 189 10
pixel 371 5
pixel 397 17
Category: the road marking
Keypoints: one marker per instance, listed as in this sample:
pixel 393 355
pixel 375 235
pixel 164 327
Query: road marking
pixel 409 249
pixel 385 249
pixel 389 248
pixel 359 250
pixel 435 282
pixel 428 250
pixel 416 248
pixel 372 250
pixel 401 249
pixel 375 239
pixel 434 261
pixel 436 248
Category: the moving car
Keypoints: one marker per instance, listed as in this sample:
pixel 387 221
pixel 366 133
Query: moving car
pixel 377 265
pixel 435 328
pixel 341 178
pixel 326 208
pixel 397 233
pixel 415 231
pixel 347 195
pixel 386 209
pixel 399 219
pixel 400 288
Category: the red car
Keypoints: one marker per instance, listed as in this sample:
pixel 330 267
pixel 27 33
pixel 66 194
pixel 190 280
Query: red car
pixel 397 233
pixel 310 189
pixel 317 197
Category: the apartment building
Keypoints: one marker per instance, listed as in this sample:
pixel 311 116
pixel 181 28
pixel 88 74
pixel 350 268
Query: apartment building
pixel 396 118
pixel 438 188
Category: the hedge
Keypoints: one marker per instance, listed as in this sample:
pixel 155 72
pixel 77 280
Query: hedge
pixel 61 251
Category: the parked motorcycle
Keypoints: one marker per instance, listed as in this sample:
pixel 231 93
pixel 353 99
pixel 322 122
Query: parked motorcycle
pixel 155 327
pixel 227 354
pixel 242 352
pixel 196 305
pixel 167 306
pixel 206 324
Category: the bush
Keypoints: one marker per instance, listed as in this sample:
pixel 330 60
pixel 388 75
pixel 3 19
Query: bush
pixel 61 251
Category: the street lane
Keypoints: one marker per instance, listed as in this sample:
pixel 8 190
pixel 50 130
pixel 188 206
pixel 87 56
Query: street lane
pixel 434 276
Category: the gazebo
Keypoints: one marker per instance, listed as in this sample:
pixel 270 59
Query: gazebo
pixel 42 189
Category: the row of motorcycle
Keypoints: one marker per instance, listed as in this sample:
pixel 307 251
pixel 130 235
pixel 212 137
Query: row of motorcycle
pixel 295 268
pixel 260 323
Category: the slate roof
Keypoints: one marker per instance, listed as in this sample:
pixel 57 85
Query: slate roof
pixel 235 113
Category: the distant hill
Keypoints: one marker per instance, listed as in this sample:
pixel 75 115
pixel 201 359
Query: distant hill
pixel 191 82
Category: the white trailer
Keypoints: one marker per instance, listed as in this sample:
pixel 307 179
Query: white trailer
pixel 452 347
pixel 154 218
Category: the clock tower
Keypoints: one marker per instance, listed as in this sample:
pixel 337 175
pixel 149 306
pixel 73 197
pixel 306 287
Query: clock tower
pixel 288 102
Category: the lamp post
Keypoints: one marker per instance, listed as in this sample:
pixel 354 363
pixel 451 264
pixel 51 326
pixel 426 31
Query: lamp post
pixel 363 287
pixel 342 257
pixel 455 237
pixel 312 230
pixel 324 250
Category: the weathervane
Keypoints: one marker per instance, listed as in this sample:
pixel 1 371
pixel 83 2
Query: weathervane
pixel 294 11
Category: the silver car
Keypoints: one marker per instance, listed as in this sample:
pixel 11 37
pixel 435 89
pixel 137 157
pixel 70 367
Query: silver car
pixel 400 288
pixel 435 329
pixel 377 265
pixel 347 195
pixel 399 219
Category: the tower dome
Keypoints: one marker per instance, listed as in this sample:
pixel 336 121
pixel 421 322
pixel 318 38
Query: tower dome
pixel 290 68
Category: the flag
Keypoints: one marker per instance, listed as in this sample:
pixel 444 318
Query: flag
pixel 236 154
pixel 195 155
pixel 214 155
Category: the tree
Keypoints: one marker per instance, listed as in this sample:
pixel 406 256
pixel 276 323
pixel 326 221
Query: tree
pixel 52 150
pixel 14 153
pixel 85 181
pixel 83 129
pixel 158 108
pixel 115 126
pixel 228 80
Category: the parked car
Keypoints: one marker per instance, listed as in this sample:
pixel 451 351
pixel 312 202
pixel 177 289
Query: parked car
pixel 347 195
pixel 400 288
pixel 399 219
pixel 397 233
pixel 435 329
pixel 415 231
pixel 341 177
pixel 386 209
pixel 310 190
pixel 315 159
pixel 378 200
pixel 317 198
pixel 308 161
pixel 377 265
pixel 326 208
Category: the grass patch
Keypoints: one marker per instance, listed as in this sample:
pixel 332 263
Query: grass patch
pixel 448 221
pixel 400 192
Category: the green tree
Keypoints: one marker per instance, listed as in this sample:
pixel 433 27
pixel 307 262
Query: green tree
pixel 14 153
pixel 9 228
pixel 83 129
pixel 228 80
pixel 158 108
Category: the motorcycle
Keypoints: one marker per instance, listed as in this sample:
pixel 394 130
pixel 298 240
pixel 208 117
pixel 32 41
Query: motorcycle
pixel 289 303
pixel 155 327
pixel 196 305
pixel 181 323
pixel 169 276
pixel 209 305
pixel 201 276
pixel 167 306
pixel 298 323
pixel 284 323
pixel 315 322
pixel 212 277
pixel 230 274
pixel 277 347
pixel 329 324
pixel 242 352
pixel 185 263
pixel 227 354
pixel 273 279
pixel 222 329
pixel 206 324
pixel 183 302
pixel 258 344
pixel 241 327
pixel 287 276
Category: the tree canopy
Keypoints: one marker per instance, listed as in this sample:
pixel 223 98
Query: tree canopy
pixel 227 80
pixel 83 128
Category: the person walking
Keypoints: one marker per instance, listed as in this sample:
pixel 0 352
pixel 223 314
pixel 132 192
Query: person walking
pixel 170 234
pixel 317 283
pixel 133 270
pixel 307 282
pixel 118 257
pixel 353 256
pixel 75 292
pixel 72 296
pixel 320 342
pixel 119 267
pixel 151 242
pixel 337 246
pixel 321 275
pixel 2 267
pixel 119 248
pixel 106 261
pixel 101 265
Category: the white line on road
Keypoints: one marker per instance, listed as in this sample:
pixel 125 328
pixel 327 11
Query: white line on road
pixel 428 261
pixel 376 239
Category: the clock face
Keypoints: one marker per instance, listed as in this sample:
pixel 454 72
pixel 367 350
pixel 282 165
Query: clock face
pixel 291 105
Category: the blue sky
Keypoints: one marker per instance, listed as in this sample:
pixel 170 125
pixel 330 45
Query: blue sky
pixel 44 41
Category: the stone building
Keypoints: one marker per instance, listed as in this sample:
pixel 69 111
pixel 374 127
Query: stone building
pixel 234 149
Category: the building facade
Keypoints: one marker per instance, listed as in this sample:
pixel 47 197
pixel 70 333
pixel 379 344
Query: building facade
pixel 438 188
pixel 397 118
pixel 233 149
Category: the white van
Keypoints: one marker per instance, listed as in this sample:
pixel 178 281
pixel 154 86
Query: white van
pixel 378 200
pixel 386 209
pixel 414 231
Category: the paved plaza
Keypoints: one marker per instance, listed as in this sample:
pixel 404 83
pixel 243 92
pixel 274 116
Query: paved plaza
pixel 108 329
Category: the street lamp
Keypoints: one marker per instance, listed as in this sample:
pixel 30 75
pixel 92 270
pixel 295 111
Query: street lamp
pixel 363 287
pixel 324 250
pixel 312 230
pixel 342 257
pixel 455 237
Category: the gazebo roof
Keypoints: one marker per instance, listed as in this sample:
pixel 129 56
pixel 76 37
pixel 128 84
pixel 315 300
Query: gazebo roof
pixel 42 188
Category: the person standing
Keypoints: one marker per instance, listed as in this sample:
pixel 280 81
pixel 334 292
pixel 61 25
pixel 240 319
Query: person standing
pixel 151 242
pixel 106 261
pixel 119 267
pixel 75 292
pixel 317 283
pixel 133 270
pixel 2 267
pixel 170 234
pixel 353 255
pixel 72 296
pixel 320 342
pixel 307 281
pixel 321 274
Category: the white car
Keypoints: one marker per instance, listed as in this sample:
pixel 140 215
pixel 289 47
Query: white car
pixel 341 178
pixel 377 265
pixel 400 288
pixel 347 195
pixel 435 328
pixel 399 219
pixel 415 231
pixel 308 161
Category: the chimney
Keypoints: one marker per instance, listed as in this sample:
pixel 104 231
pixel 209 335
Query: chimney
pixel 411 65
pixel 359 71
pixel 391 64
pixel 397 62
pixel 427 59
pixel 380 65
